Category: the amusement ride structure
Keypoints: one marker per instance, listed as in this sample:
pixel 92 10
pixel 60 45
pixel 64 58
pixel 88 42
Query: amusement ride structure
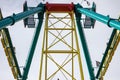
pixel 60 47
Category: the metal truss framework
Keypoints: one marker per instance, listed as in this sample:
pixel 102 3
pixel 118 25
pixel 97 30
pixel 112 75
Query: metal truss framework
pixel 60 42
pixel 59 32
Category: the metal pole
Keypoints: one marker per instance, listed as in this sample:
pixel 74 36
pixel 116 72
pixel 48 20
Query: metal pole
pixel 86 52
pixel 33 46
pixel 84 43
pixel 10 20
pixel 31 53
pixel 104 19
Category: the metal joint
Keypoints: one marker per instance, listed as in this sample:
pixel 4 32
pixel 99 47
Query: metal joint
pixel 12 18
pixel 108 23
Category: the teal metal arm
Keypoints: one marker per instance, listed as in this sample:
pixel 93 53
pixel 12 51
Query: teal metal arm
pixel 84 44
pixel 106 52
pixel 104 19
pixel 34 42
pixel 17 17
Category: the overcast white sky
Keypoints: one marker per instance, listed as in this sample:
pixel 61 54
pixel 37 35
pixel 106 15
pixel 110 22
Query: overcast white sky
pixel 97 38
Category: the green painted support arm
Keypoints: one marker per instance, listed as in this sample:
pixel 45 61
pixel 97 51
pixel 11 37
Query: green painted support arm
pixel 34 42
pixel 84 44
pixel 106 53
pixel 17 17
pixel 104 19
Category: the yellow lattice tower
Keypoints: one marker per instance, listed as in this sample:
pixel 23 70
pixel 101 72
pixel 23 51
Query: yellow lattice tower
pixel 60 59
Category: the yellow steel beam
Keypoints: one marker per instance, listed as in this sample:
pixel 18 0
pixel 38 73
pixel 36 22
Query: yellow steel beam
pixel 59 33
pixel 46 31
pixel 43 46
pixel 60 19
pixel 9 54
pixel 60 51
pixel 60 28
pixel 78 49
pixel 111 52
pixel 60 67
pixel 60 39
pixel 72 36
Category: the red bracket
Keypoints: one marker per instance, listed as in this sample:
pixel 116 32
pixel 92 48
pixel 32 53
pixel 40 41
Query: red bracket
pixel 59 7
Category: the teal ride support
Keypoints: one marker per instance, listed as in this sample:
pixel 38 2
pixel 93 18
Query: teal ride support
pixel 34 42
pixel 84 43
pixel 10 20
pixel 104 19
